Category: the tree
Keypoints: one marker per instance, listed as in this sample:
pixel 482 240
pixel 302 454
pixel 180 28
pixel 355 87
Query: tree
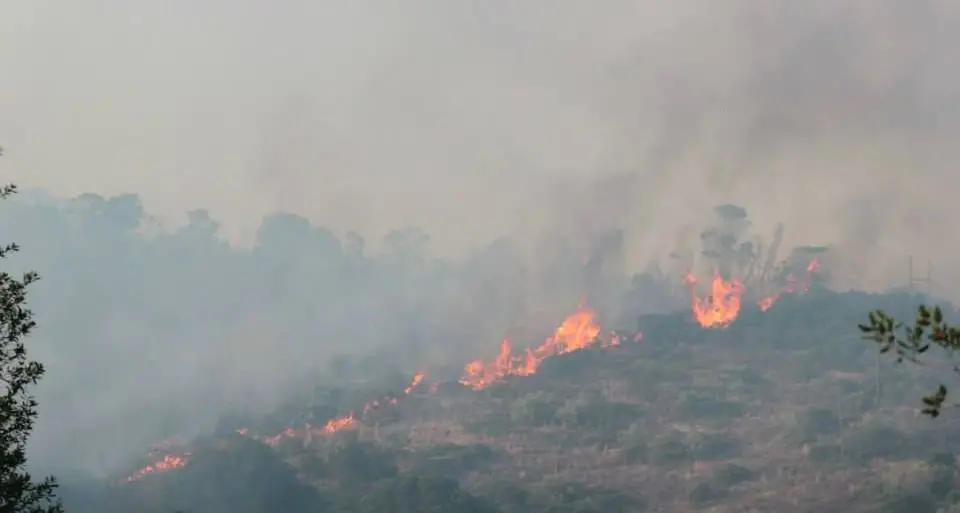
pixel 910 342
pixel 18 409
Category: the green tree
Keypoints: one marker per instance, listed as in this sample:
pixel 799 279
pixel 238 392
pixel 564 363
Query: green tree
pixel 908 342
pixel 19 493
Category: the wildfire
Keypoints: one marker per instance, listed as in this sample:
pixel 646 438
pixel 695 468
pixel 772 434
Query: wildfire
pixel 168 462
pixel 340 423
pixel 350 421
pixel 276 439
pixel 171 462
pixel 794 285
pixel 577 331
pixel 417 379
pixel 722 306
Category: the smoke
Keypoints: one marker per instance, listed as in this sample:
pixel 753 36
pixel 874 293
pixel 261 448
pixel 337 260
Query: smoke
pixel 361 116
pixel 554 123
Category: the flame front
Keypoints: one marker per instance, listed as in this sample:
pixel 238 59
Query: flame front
pixel 168 462
pixel 339 423
pixel 579 330
pixel 349 421
pixel 171 462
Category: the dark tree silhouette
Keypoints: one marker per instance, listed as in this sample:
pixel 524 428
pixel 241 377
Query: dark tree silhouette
pixel 19 493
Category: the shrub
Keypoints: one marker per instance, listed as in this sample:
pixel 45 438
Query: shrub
pixel 824 453
pixel 451 459
pixel 809 425
pixel 703 494
pixel 356 462
pixel 714 446
pixel 634 454
pixel 731 475
pixel 534 409
pixel 669 451
pixel 595 411
pixel 877 441
pixel 416 494
pixel 497 424
pixel 698 406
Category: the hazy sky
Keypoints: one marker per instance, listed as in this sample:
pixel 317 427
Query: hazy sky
pixel 465 116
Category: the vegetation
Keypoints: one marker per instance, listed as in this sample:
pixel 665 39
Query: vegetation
pixel 19 492
pixel 780 411
pixel 804 437
pixel 908 342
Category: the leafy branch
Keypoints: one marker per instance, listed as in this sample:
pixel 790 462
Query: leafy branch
pixel 19 492
pixel 909 342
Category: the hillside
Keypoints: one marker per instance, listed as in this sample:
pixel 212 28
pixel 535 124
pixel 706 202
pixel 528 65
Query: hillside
pixel 781 411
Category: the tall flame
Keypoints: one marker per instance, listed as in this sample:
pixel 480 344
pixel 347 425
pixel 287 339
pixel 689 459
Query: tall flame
pixel 721 306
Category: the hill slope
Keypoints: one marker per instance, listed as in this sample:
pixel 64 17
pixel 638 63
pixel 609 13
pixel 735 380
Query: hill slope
pixel 781 411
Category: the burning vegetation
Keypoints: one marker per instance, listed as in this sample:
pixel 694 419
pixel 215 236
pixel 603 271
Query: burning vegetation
pixel 744 273
pixel 722 305
pixel 579 330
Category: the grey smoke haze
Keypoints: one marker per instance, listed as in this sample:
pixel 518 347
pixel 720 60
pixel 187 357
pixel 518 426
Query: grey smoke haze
pixel 479 119
pixel 459 116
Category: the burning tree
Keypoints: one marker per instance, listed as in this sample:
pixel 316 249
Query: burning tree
pixel 745 269
pixel 18 409
pixel 734 252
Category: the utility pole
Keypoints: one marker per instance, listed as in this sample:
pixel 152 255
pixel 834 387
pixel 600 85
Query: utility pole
pixel 912 279
pixel 840 418
pixel 877 376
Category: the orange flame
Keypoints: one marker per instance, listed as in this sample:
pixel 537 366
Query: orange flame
pixel 417 379
pixel 340 423
pixel 577 331
pixel 349 421
pixel 168 462
pixel 794 285
pixel 721 307
pixel 278 438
